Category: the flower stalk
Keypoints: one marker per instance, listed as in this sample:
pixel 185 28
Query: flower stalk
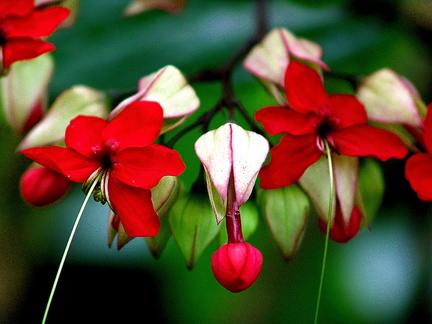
pixel 66 250
pixel 327 235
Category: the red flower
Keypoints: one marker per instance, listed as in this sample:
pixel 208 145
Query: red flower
pixel 342 231
pixel 312 118
pixel 418 168
pixel 21 27
pixel 119 154
pixel 236 266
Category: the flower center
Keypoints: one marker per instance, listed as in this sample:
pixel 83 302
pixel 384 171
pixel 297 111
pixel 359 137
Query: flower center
pixel 101 176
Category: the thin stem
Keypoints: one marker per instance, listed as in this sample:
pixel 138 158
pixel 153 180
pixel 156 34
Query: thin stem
pixel 329 221
pixel 65 253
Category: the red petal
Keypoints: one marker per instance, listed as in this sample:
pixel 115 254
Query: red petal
pixel 71 164
pixel 278 120
pixel 134 207
pixel 364 140
pixel 304 88
pixel 39 23
pixel 427 133
pixel 84 134
pixel 418 171
pixel 137 125
pixel 16 7
pixel 18 49
pixel 144 167
pixel 289 159
pixel 348 110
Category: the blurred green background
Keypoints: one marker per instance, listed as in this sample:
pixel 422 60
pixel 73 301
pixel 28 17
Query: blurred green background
pixel 381 276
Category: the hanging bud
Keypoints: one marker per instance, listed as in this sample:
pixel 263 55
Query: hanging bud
pixel 230 152
pixel 78 100
pixel 41 186
pixel 286 210
pixel 23 92
pixel 170 89
pixel 192 224
pixel 342 231
pixel 236 266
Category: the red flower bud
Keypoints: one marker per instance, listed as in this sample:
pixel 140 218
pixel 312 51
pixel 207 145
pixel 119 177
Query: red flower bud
pixel 41 186
pixel 341 231
pixel 236 266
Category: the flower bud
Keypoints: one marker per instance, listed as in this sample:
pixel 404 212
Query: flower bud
pixel 23 92
pixel 78 100
pixel 393 103
pixel 230 152
pixel 269 59
pixel 169 87
pixel 342 231
pixel 41 186
pixel 236 266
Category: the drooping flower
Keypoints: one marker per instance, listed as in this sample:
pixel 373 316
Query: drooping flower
pixel 236 266
pixel 418 168
pixel 22 25
pixel 121 157
pixel 312 119
pixel 232 158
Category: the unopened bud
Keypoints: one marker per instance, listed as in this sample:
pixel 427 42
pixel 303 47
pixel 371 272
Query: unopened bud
pixel 236 266
pixel 41 186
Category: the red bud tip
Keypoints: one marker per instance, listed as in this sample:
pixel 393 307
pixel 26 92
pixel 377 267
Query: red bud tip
pixel 236 266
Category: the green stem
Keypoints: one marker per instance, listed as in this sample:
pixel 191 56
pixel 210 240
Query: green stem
pixel 65 253
pixel 329 221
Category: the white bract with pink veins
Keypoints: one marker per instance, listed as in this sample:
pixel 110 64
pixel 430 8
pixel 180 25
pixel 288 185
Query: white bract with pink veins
pixel 230 152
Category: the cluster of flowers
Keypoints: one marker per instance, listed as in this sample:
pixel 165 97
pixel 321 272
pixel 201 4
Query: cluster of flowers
pixel 82 139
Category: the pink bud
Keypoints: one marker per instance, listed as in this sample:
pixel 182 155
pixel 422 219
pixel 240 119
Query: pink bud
pixel 41 186
pixel 341 231
pixel 236 266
